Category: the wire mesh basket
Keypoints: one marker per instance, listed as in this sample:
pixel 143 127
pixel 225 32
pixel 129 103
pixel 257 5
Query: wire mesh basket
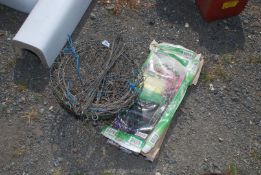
pixel 96 82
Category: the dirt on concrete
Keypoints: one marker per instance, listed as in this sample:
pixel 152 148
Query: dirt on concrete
pixel 217 125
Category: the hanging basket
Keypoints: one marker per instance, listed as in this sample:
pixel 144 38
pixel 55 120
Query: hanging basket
pixel 95 82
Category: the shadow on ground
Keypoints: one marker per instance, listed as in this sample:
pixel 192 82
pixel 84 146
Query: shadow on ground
pixel 11 20
pixel 219 37
pixel 86 150
pixel 30 73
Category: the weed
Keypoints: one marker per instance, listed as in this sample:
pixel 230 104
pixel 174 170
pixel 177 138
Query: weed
pixel 10 65
pixel 216 72
pixel 37 97
pixel 255 155
pixel 227 58
pixel 232 169
pixel 22 87
pixel 32 115
pixel 19 151
pixel 57 171
pixel 254 60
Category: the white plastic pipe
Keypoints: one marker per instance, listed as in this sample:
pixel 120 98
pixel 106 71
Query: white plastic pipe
pixel 21 5
pixel 47 27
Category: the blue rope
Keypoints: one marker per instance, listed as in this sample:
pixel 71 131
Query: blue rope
pixel 72 99
pixel 134 87
pixel 70 49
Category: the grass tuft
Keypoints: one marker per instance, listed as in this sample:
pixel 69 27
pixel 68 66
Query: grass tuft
pixel 19 151
pixel 32 115
pixel 232 169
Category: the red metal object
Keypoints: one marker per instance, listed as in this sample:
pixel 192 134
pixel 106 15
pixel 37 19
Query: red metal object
pixel 218 9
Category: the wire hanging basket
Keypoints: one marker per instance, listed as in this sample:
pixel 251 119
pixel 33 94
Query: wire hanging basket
pixel 94 81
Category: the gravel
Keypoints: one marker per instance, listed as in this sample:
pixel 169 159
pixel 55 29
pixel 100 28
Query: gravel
pixel 215 126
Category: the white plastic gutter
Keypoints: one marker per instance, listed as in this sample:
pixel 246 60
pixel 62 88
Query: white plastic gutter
pixel 48 25
pixel 21 5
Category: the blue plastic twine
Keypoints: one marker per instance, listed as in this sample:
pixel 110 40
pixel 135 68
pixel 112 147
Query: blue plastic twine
pixel 134 87
pixel 71 49
pixel 72 99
